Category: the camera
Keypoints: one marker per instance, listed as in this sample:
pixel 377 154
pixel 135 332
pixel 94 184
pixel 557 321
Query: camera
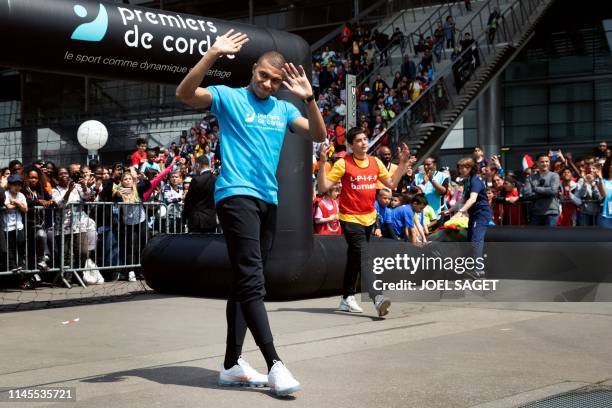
pixel 76 176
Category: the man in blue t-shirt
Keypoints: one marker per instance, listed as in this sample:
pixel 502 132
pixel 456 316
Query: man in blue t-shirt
pixel 252 124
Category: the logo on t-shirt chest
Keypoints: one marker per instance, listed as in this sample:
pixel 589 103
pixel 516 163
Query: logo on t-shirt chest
pixel 363 181
pixel 263 121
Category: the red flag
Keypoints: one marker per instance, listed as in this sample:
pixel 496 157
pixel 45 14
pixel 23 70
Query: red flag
pixel 527 162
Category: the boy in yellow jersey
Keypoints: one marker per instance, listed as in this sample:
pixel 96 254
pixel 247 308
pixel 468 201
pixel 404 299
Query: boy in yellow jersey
pixel 359 173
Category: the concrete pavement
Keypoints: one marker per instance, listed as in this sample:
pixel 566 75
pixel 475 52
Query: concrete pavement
pixel 165 351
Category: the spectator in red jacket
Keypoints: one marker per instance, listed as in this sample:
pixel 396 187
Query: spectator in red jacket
pixel 512 210
pixel 569 199
pixel 139 157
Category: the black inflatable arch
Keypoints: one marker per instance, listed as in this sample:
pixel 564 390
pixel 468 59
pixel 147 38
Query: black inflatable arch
pixel 119 41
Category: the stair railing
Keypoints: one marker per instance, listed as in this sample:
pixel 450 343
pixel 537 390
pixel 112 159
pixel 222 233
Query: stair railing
pixel 407 41
pixel 439 96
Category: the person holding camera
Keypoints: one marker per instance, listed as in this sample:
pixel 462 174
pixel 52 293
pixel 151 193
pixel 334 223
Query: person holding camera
pixel 132 228
pixel 542 188
pixel 588 192
pixel 70 191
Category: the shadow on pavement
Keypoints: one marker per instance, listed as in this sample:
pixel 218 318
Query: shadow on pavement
pixel 327 310
pixel 178 375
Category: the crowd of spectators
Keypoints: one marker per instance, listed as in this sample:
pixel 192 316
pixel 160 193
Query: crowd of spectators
pixel 361 51
pixel 378 100
pixel 45 203
pixel 551 190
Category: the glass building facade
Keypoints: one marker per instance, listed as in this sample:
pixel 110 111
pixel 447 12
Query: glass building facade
pixel 557 94
pixel 43 121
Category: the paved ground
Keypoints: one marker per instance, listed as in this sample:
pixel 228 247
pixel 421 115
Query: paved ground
pixel 164 351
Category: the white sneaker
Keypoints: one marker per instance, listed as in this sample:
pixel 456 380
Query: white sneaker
pixel 100 278
pixel 131 276
pixel 350 305
pixel 281 381
pixel 242 374
pixel 382 305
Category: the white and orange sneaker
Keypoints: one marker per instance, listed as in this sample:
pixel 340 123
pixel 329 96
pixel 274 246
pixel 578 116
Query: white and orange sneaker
pixel 241 375
pixel 282 383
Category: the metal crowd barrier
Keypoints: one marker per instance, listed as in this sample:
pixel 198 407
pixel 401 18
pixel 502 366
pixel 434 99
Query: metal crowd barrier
pixel 519 213
pixel 57 243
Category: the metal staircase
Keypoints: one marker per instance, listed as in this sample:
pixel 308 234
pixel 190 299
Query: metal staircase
pixel 426 26
pixel 426 122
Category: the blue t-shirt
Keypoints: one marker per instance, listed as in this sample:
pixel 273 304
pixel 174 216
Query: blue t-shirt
pixel 146 165
pixel 381 212
pixel 252 133
pixel 388 217
pixel 606 211
pixel 482 207
pixel 402 217
pixel 434 199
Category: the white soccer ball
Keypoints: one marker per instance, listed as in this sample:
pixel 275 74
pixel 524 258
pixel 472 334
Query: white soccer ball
pixel 92 135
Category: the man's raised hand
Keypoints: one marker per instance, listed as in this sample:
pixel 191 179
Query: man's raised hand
pixel 296 81
pixel 404 153
pixel 230 42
